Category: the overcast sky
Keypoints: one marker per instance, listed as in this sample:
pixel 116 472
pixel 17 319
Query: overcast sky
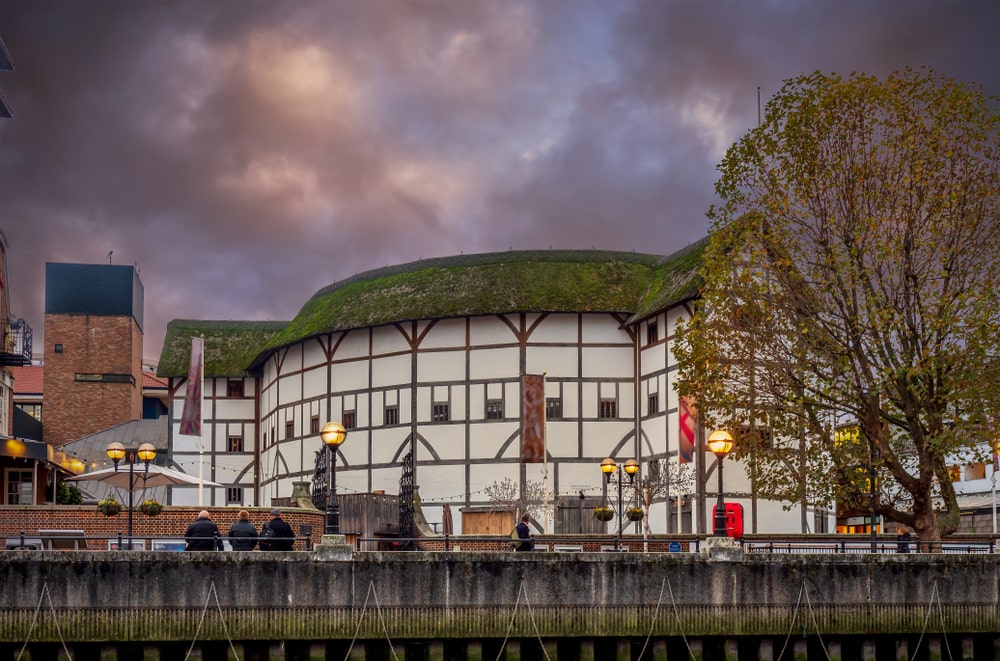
pixel 246 153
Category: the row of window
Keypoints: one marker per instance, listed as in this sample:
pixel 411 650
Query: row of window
pixel 441 412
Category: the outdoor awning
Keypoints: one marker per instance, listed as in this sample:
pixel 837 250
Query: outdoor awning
pixel 22 448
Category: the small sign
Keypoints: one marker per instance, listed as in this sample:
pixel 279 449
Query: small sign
pixel 674 547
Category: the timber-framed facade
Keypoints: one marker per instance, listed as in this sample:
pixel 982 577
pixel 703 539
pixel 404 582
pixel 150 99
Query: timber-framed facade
pixel 426 359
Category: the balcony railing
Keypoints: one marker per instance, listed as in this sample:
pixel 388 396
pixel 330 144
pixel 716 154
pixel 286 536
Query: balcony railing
pixel 16 346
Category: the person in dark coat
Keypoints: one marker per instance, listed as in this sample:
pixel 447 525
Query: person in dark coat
pixel 203 534
pixel 524 534
pixel 903 539
pixel 243 534
pixel 276 534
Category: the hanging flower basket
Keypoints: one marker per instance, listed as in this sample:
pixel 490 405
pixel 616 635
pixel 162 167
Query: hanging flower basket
pixel 151 507
pixel 109 507
pixel 634 514
pixel 603 513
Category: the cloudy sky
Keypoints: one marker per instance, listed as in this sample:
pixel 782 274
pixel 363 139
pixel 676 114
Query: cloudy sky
pixel 244 154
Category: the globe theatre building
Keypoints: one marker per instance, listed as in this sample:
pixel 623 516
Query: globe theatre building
pixel 425 360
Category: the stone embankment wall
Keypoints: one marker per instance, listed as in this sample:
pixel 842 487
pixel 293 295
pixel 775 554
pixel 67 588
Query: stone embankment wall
pixel 121 595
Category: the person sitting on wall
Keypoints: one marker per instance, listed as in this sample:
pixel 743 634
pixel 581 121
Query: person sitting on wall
pixel 276 534
pixel 202 534
pixel 243 534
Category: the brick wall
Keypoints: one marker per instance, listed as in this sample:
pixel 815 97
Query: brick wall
pixel 171 522
pixel 92 344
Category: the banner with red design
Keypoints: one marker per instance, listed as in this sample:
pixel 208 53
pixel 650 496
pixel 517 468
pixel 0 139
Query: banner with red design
pixel 688 424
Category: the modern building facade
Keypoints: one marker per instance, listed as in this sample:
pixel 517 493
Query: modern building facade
pixel 423 363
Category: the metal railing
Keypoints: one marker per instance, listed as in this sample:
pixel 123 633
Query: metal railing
pixel 61 541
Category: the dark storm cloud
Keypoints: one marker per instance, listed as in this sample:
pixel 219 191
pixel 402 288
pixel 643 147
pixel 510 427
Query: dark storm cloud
pixel 246 154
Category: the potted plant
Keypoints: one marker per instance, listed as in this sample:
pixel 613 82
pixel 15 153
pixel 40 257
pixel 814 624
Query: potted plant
pixel 109 507
pixel 151 507
pixel 634 514
pixel 602 513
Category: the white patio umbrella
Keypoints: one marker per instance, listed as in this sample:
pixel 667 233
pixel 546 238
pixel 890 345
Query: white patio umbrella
pixel 154 476
pixel 132 479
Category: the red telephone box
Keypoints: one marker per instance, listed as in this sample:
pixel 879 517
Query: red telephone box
pixel 734 519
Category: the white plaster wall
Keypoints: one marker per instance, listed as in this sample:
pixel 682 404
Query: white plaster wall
pixel 603 328
pixel 441 366
pixel 490 330
pixel 353 345
pixel 555 362
pixel 487 438
pixel 555 328
pixel 494 363
pixel 289 389
pixel 390 370
pixel 445 333
pixel 608 362
pixel 387 340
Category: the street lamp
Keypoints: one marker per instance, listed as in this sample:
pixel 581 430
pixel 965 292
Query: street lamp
pixel 333 434
pixel 145 453
pixel 609 467
pixel 720 443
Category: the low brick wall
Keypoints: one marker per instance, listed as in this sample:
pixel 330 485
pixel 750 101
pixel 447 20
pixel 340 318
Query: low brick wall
pixel 170 523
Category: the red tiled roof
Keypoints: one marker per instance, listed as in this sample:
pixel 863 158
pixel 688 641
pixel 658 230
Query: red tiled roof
pixel 150 380
pixel 27 379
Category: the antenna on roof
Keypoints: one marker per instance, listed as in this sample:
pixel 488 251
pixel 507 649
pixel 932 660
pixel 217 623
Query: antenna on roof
pixel 109 255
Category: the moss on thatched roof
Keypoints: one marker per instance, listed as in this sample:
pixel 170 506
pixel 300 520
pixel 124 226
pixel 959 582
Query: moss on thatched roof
pixel 495 283
pixel 467 285
pixel 675 279
pixel 230 346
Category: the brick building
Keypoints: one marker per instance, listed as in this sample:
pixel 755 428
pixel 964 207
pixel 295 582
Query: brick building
pixel 93 348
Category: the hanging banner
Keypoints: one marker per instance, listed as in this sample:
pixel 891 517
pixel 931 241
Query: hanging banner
pixel 532 418
pixel 191 414
pixel 688 415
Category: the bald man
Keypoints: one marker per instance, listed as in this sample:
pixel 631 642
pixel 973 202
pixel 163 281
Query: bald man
pixel 203 534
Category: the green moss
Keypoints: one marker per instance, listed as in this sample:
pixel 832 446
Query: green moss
pixel 636 284
pixel 230 346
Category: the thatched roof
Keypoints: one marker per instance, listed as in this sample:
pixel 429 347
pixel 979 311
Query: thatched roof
pixel 636 284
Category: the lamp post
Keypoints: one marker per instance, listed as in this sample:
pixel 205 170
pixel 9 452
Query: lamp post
pixel 609 468
pixel 333 434
pixel 144 453
pixel 720 443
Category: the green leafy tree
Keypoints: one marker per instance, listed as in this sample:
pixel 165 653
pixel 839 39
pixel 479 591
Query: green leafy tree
pixel 850 301
pixel 67 494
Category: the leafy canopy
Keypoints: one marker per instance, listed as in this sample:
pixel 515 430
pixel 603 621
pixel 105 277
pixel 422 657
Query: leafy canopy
pixel 851 282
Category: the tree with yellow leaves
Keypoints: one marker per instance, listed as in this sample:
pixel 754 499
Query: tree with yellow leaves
pixel 849 327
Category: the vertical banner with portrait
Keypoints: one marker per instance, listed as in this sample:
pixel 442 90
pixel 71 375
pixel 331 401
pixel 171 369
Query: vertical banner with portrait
pixel 688 416
pixel 532 418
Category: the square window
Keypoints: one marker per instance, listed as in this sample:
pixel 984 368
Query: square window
pixel 59 348
pixel 440 412
pixel 234 496
pixel 235 444
pixel 652 333
pixel 234 388
pixel 350 420
pixel 494 409
pixel 392 415
pixel 654 404
pixel 975 471
pixel 608 408
pixel 289 429
pixel 553 408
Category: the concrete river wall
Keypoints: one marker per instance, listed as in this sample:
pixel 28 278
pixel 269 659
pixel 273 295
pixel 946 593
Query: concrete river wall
pixel 486 605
